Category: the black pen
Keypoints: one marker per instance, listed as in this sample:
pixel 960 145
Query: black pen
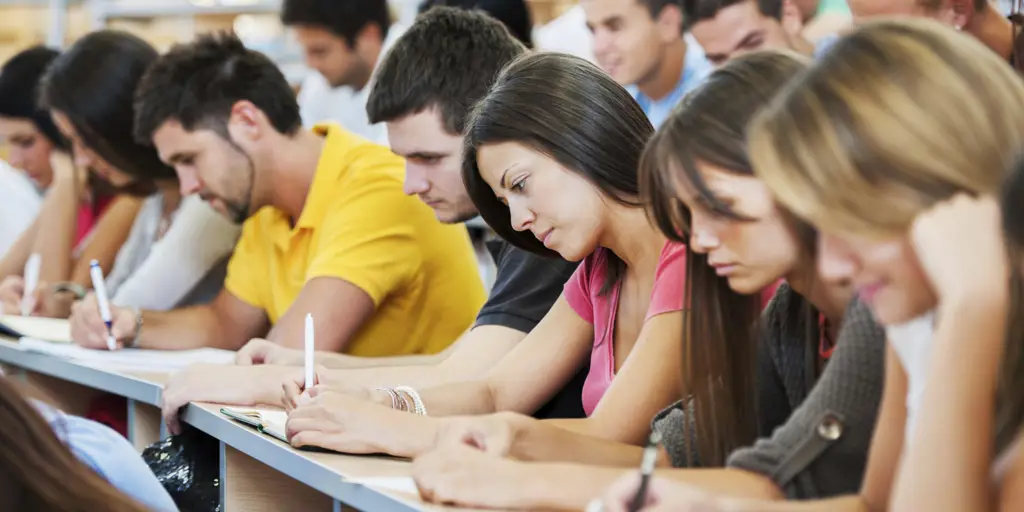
pixel 646 468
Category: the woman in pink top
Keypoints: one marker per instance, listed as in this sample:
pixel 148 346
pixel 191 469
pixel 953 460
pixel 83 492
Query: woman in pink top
pixel 551 163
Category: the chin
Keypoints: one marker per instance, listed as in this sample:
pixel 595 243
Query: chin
pixel 748 285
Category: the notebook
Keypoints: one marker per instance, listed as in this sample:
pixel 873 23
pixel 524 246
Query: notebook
pixel 265 421
pixel 403 484
pixel 49 329
pixel 131 359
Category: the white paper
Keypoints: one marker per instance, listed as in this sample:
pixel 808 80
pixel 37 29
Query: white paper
pixel 273 421
pixel 404 484
pixel 49 329
pixel 142 360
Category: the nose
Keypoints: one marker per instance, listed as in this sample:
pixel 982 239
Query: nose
pixel 836 262
pixel 188 183
pixel 602 42
pixel 703 237
pixel 16 158
pixel 415 180
pixel 520 215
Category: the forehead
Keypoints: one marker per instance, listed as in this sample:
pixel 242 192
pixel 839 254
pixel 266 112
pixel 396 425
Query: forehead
pixel 600 11
pixel 15 126
pixel 729 27
pixel 172 138
pixel 311 35
pixel 422 132
pixel 869 8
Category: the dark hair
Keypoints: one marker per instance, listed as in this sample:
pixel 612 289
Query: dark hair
pixel 198 83
pixel 1009 399
pixel 720 329
pixel 39 473
pixel 448 59
pixel 656 6
pixel 566 108
pixel 514 14
pixel 345 18
pixel 695 11
pixel 92 83
pixel 19 91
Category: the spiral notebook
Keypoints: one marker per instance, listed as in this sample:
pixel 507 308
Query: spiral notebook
pixel 265 421
pixel 49 329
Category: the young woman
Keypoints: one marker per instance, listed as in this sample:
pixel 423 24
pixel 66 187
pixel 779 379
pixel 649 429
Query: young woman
pixel 898 117
pixel 699 185
pixel 551 163
pixel 38 149
pixel 53 462
pixel 175 245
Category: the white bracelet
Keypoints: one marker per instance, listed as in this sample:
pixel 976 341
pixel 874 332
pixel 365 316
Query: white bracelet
pixel 417 402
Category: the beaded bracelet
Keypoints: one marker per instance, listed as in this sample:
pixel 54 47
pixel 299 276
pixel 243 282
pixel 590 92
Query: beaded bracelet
pixel 417 401
pixel 392 394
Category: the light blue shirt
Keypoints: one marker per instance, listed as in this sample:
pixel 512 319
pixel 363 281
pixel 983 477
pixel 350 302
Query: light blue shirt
pixel 110 456
pixel 696 67
pixel 824 44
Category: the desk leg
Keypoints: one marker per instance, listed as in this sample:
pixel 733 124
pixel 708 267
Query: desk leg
pixel 144 425
pixel 67 396
pixel 251 486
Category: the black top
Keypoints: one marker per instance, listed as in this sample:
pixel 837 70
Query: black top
pixel 525 288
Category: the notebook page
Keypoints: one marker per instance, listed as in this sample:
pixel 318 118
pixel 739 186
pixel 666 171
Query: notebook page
pixel 273 421
pixel 50 329
pixel 155 361
pixel 404 484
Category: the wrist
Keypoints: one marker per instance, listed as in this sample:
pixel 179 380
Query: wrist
pixel 416 435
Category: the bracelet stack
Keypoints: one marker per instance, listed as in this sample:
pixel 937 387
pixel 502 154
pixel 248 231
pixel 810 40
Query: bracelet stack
pixel 406 399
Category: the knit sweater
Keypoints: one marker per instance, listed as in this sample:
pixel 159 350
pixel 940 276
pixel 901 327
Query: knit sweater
pixel 815 433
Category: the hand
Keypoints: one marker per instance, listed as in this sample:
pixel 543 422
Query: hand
pixel 494 434
pixel 223 384
pixel 460 475
pixel 345 424
pixel 260 351
pixel 89 330
pixel 959 243
pixel 662 495
pixel 294 387
pixel 12 292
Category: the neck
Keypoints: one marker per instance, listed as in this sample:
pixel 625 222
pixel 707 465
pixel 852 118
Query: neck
pixel 364 78
pixel 819 294
pixel 667 74
pixel 291 165
pixel 171 192
pixel 633 238
pixel 995 31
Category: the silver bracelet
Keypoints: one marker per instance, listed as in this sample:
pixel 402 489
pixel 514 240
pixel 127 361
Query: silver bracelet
pixel 393 394
pixel 417 402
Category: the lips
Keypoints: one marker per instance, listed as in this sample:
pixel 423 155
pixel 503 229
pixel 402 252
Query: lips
pixel 724 269
pixel 544 237
pixel 867 293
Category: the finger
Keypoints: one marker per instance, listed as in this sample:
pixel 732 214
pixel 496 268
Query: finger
pixel 316 391
pixel 243 357
pixel 291 395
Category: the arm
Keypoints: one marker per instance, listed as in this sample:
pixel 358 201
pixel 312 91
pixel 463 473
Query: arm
pixel 106 239
pixel 1011 485
pixel 325 298
pixel 952 447
pixel 198 240
pixel 887 443
pixel 13 262
pixel 58 218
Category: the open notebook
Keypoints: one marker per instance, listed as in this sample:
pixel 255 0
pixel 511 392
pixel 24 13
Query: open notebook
pixel 265 421
pixel 49 329
pixel 132 359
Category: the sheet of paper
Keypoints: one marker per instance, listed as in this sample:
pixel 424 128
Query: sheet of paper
pixel 49 329
pixel 273 421
pixel 141 360
pixel 404 484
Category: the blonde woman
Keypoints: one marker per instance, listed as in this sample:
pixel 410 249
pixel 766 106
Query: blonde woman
pixel 897 119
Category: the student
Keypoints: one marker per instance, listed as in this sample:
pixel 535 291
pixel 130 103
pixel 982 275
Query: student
pixel 811 375
pixel 26 129
pixel 329 232
pixel 343 40
pixel 979 18
pixel 174 246
pixel 640 44
pixel 621 309
pixel 893 161
pixel 514 14
pixel 421 94
pixel 50 461
pixel 729 28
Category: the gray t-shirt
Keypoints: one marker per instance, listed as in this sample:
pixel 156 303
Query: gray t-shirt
pixel 815 432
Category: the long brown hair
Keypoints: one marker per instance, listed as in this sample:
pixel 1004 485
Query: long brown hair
pixel 39 473
pixel 1010 387
pixel 720 328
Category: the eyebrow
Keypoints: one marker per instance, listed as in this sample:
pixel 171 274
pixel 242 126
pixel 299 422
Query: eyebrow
pixel 746 39
pixel 501 182
pixel 177 158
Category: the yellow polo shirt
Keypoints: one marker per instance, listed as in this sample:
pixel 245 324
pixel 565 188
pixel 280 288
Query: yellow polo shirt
pixel 358 225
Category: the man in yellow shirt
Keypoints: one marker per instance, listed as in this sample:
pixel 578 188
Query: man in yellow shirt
pixel 329 231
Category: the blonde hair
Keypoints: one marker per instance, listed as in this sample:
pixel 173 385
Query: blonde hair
pixel 897 116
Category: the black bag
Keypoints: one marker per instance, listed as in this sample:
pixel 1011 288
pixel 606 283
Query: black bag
pixel 188 467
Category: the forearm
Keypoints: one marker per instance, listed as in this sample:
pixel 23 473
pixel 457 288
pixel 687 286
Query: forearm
pixel 568 441
pixel 185 329
pixel 459 399
pixel 56 241
pixel 369 368
pixel 953 441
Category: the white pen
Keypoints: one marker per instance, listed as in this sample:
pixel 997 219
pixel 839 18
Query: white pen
pixel 310 348
pixel 100 288
pixel 28 301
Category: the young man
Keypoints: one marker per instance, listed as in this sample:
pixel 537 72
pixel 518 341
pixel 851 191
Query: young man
pixel 730 28
pixel 514 14
pixel 640 44
pixel 423 93
pixel 343 41
pixel 980 18
pixel 329 231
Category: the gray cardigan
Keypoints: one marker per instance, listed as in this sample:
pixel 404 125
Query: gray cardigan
pixel 814 436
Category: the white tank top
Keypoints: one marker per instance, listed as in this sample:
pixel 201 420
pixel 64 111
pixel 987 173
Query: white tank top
pixel 912 342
